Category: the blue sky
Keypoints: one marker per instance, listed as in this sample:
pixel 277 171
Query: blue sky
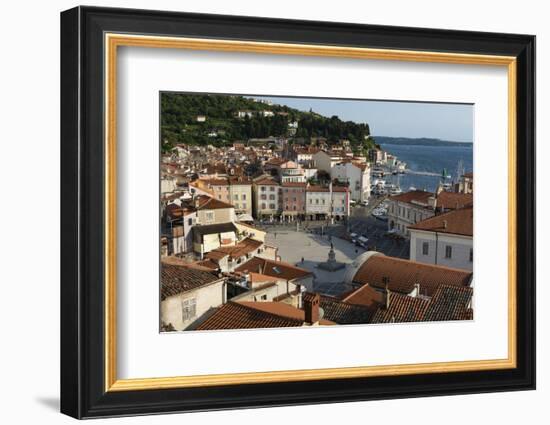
pixel 453 122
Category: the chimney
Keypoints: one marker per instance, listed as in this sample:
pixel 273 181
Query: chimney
pixel 444 224
pixel 417 287
pixel 311 309
pixel 259 269
pixel 197 202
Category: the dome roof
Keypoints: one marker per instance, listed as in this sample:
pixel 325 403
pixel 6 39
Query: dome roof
pixel 353 268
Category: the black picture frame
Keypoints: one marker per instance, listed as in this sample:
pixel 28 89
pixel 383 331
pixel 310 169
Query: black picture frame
pixel 82 212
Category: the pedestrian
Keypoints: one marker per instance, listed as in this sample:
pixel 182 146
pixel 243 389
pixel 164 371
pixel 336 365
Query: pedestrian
pixel 302 260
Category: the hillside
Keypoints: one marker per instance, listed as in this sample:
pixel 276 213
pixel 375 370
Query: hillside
pixel 422 141
pixel 221 127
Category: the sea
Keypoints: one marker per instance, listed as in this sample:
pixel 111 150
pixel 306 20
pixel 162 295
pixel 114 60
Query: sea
pixel 425 164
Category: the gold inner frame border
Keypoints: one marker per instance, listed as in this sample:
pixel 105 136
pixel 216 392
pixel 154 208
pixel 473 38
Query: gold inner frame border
pixel 112 41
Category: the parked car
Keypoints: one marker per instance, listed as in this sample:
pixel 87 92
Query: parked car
pixel 362 241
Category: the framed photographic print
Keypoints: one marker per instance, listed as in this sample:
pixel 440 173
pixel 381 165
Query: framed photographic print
pixel 261 212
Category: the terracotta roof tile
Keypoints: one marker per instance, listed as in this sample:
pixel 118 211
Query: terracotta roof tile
pixel 404 274
pixel 415 196
pixel 450 303
pixel 278 269
pixel 203 202
pixel 366 296
pixel 267 181
pixel 343 313
pixel 282 309
pixel 238 250
pixel 402 308
pixel 452 200
pixel 457 222
pixel 249 315
pixel 176 279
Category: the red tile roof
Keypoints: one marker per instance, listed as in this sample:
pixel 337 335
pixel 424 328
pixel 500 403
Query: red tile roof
pixel 277 269
pixel 275 161
pixel 176 261
pixel 177 279
pixel 215 182
pixel 457 222
pixel 404 274
pixel 365 296
pixel 238 250
pixel 282 309
pixel 453 200
pixel 341 312
pixel 250 315
pixel 208 264
pixel 267 181
pixel 208 203
pixel 450 303
pixel 418 196
pixel 402 308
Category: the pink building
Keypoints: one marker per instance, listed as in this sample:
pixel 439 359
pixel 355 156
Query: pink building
pixel 294 200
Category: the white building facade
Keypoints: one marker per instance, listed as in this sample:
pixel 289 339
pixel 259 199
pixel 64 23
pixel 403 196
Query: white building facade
pixel 358 177
pixel 442 249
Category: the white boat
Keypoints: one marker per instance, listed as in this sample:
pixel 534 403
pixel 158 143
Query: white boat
pixel 394 189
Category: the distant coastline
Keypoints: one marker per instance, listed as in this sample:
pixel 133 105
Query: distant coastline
pixel 423 141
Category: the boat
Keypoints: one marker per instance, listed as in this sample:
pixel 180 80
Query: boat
pixel 394 189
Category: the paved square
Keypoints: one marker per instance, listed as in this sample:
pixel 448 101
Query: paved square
pixel 314 249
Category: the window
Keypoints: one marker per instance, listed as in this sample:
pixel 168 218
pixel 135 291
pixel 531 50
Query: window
pixel 264 297
pixel 244 205
pixel 272 189
pixel 263 206
pixel 471 255
pixel 236 197
pixel 425 248
pixel 271 197
pixel 262 188
pixel 188 309
pixel 448 251
pixel 243 197
pixel 190 221
pixel 220 197
pixel 317 201
pixel 210 216
pixel 271 206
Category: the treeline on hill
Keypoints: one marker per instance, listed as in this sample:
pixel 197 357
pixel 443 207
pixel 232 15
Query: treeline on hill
pixel 179 123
